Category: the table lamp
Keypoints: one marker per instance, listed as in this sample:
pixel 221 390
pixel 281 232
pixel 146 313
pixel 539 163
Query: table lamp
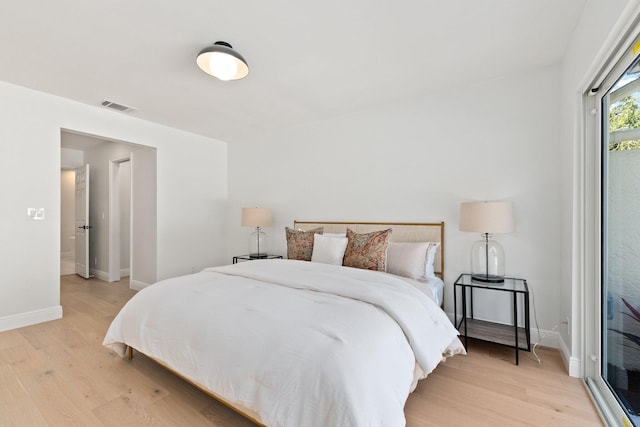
pixel 257 217
pixel 487 218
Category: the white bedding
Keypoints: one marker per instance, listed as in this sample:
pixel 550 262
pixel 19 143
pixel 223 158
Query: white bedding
pixel 432 286
pixel 299 343
pixel 436 285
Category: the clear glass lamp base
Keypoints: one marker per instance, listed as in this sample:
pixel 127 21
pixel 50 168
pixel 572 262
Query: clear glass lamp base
pixel 258 244
pixel 487 261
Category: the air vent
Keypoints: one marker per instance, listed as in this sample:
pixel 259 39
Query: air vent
pixel 116 106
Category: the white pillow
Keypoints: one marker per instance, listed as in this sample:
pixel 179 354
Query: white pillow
pixel 334 234
pixel 328 250
pixel 412 260
pixel 407 259
pixel 431 257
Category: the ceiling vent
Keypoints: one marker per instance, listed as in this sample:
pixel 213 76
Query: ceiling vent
pixel 116 106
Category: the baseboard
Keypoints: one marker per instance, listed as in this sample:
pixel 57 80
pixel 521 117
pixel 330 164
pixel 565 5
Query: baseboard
pixel 133 284
pixel 137 285
pixel 572 364
pixel 99 274
pixel 547 338
pixel 124 272
pixel 29 318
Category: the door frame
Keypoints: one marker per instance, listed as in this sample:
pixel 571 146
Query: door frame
pixel 114 218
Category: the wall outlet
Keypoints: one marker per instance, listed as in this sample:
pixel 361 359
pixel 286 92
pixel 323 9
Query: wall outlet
pixel 95 261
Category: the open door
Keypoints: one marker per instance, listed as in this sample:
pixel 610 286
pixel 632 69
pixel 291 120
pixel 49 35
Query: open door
pixel 82 221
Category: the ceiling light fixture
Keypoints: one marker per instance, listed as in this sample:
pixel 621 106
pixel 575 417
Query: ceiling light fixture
pixel 222 62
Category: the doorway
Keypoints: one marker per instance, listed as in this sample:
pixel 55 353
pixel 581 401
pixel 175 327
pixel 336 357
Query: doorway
pixel 620 279
pixel 120 214
pixel 128 171
pixel 612 299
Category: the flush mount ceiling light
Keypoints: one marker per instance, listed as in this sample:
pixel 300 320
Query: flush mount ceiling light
pixel 222 62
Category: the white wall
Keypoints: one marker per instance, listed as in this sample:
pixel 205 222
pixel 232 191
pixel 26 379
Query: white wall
pixel 416 161
pixel 71 158
pixel 191 196
pixel 592 33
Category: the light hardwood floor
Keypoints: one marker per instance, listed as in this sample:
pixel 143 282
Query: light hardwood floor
pixel 58 374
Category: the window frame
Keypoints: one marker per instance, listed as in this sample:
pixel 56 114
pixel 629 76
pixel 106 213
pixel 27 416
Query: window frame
pixel 592 217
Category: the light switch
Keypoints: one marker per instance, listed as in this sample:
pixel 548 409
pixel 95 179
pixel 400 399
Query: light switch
pixel 35 214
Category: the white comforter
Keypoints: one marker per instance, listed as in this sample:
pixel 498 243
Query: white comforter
pixel 299 343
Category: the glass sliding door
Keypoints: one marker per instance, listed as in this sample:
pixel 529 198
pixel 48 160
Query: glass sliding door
pixel 620 238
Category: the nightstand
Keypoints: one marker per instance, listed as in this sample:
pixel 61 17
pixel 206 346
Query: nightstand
pixel 253 257
pixel 512 335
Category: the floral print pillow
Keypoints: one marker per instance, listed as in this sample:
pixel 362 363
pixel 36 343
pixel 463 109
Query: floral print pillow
pixel 300 243
pixel 367 251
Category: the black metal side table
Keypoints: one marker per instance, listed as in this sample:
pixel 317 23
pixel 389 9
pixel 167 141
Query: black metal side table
pixel 513 335
pixel 254 257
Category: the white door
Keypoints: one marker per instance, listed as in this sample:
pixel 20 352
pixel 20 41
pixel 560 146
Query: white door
pixel 82 221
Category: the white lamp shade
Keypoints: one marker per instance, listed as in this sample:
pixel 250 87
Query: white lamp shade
pixel 487 217
pixel 256 217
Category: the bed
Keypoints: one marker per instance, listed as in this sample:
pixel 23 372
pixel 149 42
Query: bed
pixel 401 233
pixel 292 342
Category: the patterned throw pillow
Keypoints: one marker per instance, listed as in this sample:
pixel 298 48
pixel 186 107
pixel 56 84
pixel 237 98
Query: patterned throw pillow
pixel 367 251
pixel 300 243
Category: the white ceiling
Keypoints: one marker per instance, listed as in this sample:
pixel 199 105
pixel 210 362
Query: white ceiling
pixel 307 60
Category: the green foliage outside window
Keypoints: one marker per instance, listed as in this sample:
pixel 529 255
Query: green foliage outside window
pixel 624 115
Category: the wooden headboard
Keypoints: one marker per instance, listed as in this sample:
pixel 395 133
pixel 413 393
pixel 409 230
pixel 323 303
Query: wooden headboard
pixel 402 232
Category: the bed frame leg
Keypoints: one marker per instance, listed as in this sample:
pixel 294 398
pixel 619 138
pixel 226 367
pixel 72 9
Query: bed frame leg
pixel 129 352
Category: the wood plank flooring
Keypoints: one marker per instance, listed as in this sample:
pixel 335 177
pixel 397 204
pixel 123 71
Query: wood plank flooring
pixel 57 373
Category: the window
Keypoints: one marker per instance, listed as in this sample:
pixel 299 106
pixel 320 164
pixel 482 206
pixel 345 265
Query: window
pixel 612 308
pixel 620 225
